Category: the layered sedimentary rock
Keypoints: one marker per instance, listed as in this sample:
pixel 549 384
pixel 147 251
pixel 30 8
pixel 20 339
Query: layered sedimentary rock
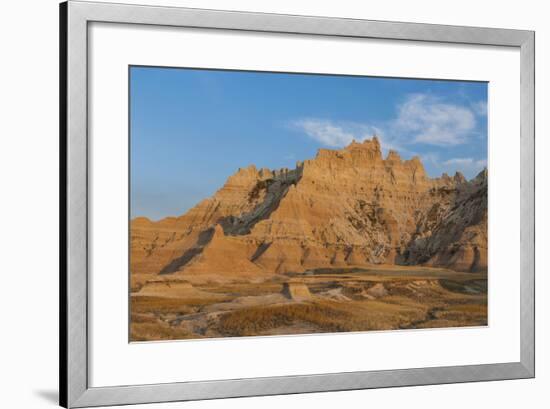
pixel 344 208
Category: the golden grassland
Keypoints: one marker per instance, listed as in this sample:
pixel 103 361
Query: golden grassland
pixel 157 331
pixel 162 305
pixel 351 301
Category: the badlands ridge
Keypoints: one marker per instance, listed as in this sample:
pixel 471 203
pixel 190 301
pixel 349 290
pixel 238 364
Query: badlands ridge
pixel 347 208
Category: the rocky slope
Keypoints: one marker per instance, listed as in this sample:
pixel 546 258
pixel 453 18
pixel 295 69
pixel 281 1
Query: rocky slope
pixel 344 208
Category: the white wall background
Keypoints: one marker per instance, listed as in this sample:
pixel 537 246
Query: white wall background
pixel 29 202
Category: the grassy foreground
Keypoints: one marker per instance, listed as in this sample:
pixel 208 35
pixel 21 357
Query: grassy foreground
pixel 323 302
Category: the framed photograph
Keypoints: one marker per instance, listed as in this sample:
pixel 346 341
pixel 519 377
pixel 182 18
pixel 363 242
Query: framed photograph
pixel 260 204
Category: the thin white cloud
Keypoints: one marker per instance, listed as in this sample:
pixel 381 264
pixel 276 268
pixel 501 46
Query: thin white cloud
pixel 465 162
pixel 480 108
pixel 468 166
pixel 421 118
pixel 335 134
pixel 429 120
pixel 432 157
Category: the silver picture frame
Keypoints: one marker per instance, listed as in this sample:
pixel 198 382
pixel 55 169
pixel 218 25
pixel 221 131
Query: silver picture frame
pixel 75 390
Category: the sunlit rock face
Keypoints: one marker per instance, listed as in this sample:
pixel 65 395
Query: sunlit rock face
pixel 344 208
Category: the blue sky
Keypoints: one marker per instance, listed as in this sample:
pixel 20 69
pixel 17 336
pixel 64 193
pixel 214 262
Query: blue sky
pixel 190 129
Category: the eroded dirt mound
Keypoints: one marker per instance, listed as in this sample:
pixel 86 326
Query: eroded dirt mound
pixel 296 291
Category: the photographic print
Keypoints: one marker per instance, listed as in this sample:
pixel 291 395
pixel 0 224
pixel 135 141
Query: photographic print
pixel 267 203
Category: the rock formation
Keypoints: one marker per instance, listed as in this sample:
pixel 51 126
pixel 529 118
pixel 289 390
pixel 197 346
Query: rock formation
pixel 344 208
pixel 296 291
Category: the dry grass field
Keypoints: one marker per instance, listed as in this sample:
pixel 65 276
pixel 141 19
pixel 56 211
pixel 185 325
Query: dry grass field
pixel 322 301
